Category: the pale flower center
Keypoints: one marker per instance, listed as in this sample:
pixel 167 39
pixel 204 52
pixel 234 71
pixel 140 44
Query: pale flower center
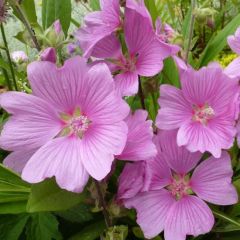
pixel 179 186
pixel 202 114
pixel 127 63
pixel 76 124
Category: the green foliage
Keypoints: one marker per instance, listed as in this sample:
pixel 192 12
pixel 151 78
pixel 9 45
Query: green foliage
pixel 218 42
pixel 90 232
pixel 43 226
pixel 95 5
pixel 56 9
pixel 14 192
pixel 12 226
pixel 47 196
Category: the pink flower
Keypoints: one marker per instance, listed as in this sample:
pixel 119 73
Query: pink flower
pixel 145 52
pixel 133 180
pixel 99 26
pixel 49 54
pixel 164 31
pixel 203 110
pixel 139 144
pixel 73 124
pixel 57 27
pixel 169 204
pixel 19 57
pixel 234 41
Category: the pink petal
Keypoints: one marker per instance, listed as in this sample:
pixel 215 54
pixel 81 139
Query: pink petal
pixel 218 134
pixel 234 41
pixel 17 160
pixel 188 216
pixel 33 123
pixel 108 47
pixel 139 144
pixel 178 158
pixel 101 103
pixel 131 180
pixel 232 70
pixel 49 54
pixel 211 181
pixel 138 31
pixel 63 87
pixel 152 209
pixel 211 86
pixel 126 83
pixel 174 109
pixel 62 158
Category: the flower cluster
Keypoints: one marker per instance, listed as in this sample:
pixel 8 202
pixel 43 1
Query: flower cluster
pixel 77 121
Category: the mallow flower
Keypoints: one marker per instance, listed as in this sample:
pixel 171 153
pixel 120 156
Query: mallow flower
pixel 203 110
pixel 173 199
pixel 144 53
pixel 70 128
pixel 99 26
pixel 19 57
pixel 139 144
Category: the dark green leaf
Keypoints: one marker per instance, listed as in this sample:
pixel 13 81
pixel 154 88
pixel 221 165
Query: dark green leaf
pixel 11 226
pixel 226 218
pixel 47 196
pixel 90 232
pixel 56 9
pixel 80 213
pixel 43 226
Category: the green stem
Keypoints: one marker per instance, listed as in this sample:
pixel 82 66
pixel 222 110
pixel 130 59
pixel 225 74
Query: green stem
pixel 5 73
pixel 140 93
pixel 190 31
pixel 18 9
pixel 9 58
pixel 103 204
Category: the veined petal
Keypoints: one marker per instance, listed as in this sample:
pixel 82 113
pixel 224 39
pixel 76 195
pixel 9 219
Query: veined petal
pixel 211 181
pixel 232 70
pixel 188 216
pixel 33 123
pixel 152 210
pixel 126 83
pixel 234 41
pixel 139 144
pixel 60 158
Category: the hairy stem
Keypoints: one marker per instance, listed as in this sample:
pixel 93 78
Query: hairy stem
pixel 190 31
pixel 9 59
pixel 103 204
pixel 18 9
pixel 140 93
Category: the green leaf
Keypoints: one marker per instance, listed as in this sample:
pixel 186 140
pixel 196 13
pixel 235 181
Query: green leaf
pixel 14 192
pixel 47 196
pixel 11 226
pixel 29 9
pixel 226 218
pixel 91 232
pixel 94 5
pixel 218 42
pixel 80 213
pixel 170 73
pixel 43 226
pixel 56 9
pixel 151 6
pixel 227 228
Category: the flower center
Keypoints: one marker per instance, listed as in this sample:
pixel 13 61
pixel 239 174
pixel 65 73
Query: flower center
pixel 179 186
pixel 127 63
pixel 202 114
pixel 75 124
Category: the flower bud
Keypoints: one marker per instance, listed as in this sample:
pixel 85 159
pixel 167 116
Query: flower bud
pixel 54 36
pixel 49 54
pixel 19 57
pixel 202 15
pixel 116 233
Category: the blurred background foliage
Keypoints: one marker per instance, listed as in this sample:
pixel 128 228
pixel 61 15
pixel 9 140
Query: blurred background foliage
pixel 44 211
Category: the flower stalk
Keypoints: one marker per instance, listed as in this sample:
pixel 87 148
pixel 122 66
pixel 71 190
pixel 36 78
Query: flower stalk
pixel 141 94
pixel 103 204
pixel 9 59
